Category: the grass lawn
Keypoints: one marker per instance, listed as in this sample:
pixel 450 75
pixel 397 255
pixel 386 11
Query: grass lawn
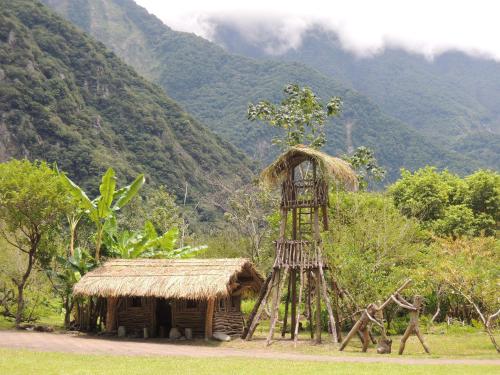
pixel 25 362
pixel 54 320
pixel 444 341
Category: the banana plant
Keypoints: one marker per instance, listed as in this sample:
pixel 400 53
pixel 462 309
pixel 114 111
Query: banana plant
pixel 65 273
pixel 145 243
pixel 103 208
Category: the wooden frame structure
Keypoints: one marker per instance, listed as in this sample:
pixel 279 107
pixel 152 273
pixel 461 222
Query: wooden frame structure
pixel 299 264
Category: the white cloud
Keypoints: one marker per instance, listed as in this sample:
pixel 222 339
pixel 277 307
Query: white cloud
pixel 365 27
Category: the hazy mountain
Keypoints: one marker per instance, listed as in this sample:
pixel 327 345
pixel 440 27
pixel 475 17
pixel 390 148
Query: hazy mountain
pixel 454 98
pixel 66 98
pixel 217 86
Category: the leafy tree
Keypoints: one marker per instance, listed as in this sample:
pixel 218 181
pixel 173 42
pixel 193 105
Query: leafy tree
pixel 366 166
pixel 33 200
pixel 448 204
pixel 371 247
pixel 469 267
pixel 248 209
pixel 484 193
pixel 157 205
pixel 457 221
pixel 423 194
pixel 301 114
pixel 103 208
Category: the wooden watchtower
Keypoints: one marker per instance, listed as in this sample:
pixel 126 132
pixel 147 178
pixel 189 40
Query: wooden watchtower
pixel 303 174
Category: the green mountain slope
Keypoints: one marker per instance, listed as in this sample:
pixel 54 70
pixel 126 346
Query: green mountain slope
pixel 453 99
pixel 217 86
pixel 66 98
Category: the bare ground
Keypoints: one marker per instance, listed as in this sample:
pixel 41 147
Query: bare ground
pixel 84 344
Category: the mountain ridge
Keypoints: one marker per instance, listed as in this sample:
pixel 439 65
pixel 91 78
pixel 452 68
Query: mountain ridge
pixel 217 86
pixel 453 98
pixel 66 98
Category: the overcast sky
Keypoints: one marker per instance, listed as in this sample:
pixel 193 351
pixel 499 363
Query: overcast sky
pixel 364 27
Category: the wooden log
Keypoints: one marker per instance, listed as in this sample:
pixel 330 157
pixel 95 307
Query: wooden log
pixel 260 307
pixel 360 326
pixel 297 319
pixel 209 317
pixel 309 305
pixel 318 308
pixel 285 318
pixel 413 326
pixel 276 303
pixel 256 307
pixel 327 301
pixel 293 276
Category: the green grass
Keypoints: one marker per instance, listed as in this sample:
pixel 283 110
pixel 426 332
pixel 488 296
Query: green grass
pixel 52 319
pixel 444 341
pixel 25 362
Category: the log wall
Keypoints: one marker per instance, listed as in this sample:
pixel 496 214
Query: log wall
pixel 227 316
pixel 136 318
pixel 184 316
pixel 229 322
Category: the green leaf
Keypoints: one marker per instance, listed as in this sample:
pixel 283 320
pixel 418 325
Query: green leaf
pixel 107 190
pixel 149 230
pixel 78 193
pixel 127 193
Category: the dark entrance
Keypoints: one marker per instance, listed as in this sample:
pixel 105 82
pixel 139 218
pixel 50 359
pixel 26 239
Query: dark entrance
pixel 163 317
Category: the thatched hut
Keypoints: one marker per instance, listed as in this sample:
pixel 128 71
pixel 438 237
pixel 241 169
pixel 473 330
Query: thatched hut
pixel 158 294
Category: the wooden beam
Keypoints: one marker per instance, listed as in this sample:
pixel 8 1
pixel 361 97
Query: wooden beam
pixel 209 318
pixel 259 306
pixel 276 304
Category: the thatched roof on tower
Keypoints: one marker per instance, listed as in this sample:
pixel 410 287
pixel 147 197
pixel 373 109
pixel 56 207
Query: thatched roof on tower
pixel 330 167
pixel 171 278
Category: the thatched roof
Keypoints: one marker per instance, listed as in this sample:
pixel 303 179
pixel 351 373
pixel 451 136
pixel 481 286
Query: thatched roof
pixel 171 278
pixel 330 167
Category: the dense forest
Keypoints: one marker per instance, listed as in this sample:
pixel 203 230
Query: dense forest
pixel 217 86
pixel 65 98
pixel 452 98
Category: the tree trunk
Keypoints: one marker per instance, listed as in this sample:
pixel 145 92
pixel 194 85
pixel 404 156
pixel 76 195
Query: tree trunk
pixel 67 311
pixel 22 284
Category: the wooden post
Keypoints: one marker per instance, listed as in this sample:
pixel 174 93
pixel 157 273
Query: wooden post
pixel 318 308
pixel 327 301
pixel 285 318
pixel 293 277
pixel 309 305
pixel 253 314
pixel 111 314
pixel 297 319
pixel 209 318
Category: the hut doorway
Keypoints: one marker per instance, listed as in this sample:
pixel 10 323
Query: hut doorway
pixel 163 317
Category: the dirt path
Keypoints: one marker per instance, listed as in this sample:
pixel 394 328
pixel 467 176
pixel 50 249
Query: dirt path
pixel 81 344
